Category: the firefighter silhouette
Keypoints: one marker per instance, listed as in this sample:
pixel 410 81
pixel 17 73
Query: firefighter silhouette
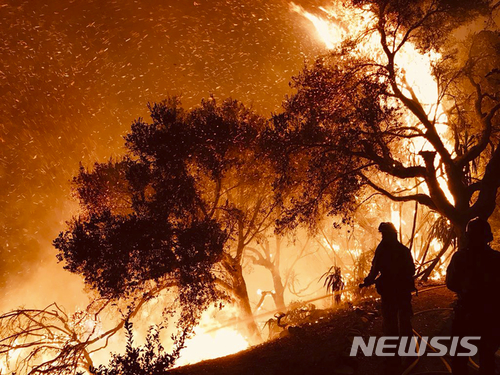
pixel 392 273
pixel 474 275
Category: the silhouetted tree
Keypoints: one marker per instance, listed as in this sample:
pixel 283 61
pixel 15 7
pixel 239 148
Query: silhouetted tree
pixel 247 214
pixel 151 358
pixel 264 255
pixel 356 121
pixel 282 262
pixel 187 196
pixel 52 341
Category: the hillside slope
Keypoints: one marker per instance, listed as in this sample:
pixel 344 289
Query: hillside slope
pixel 323 347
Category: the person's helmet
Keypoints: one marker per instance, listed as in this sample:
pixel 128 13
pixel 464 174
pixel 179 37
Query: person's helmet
pixel 479 229
pixel 387 228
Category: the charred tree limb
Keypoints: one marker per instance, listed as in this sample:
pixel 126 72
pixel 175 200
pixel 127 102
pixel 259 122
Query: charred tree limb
pixel 392 166
pixel 52 332
pixel 411 103
pixel 437 195
pixel 420 198
pixel 427 272
pixel 259 260
pixel 456 186
pixel 486 119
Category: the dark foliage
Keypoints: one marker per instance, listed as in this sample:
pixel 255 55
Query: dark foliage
pixel 336 116
pixel 333 280
pixel 145 217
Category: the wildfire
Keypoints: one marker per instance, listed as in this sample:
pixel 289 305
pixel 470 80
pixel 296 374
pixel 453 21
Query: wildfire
pixel 210 340
pixel 331 33
pixel 416 77
pixel 417 73
pixel 205 345
pixel 339 23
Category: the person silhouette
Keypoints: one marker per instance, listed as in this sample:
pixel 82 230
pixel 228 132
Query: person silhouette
pixel 474 275
pixel 392 273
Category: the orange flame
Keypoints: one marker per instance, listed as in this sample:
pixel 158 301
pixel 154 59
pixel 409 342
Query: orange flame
pixel 415 68
pixel 330 32
pixel 210 341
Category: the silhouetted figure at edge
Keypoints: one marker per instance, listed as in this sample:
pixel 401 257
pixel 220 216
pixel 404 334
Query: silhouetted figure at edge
pixel 474 274
pixel 392 273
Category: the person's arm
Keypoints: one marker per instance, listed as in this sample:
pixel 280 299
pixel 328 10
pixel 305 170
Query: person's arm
pixel 375 270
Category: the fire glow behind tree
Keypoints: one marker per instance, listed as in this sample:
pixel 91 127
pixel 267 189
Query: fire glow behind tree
pixel 78 72
pixel 340 23
pixel 74 74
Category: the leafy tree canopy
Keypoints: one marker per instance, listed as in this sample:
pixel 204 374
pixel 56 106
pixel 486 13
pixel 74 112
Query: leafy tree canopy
pixel 357 122
pixel 146 219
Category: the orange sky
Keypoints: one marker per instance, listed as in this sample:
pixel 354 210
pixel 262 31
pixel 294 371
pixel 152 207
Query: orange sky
pixel 75 73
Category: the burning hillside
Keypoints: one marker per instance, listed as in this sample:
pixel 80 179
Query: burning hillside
pixel 208 226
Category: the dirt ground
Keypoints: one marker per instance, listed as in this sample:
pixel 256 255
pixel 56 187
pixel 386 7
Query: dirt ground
pixel 323 347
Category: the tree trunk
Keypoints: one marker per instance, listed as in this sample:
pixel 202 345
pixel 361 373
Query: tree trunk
pixel 237 287
pixel 279 290
pixel 241 294
pixel 427 273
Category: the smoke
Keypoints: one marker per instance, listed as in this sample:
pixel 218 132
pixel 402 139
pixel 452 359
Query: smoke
pixel 74 76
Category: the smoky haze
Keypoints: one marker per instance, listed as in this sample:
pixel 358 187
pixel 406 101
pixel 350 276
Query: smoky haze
pixel 75 73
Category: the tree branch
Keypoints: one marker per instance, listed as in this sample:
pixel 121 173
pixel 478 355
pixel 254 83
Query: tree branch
pixel 420 198
pixel 477 149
